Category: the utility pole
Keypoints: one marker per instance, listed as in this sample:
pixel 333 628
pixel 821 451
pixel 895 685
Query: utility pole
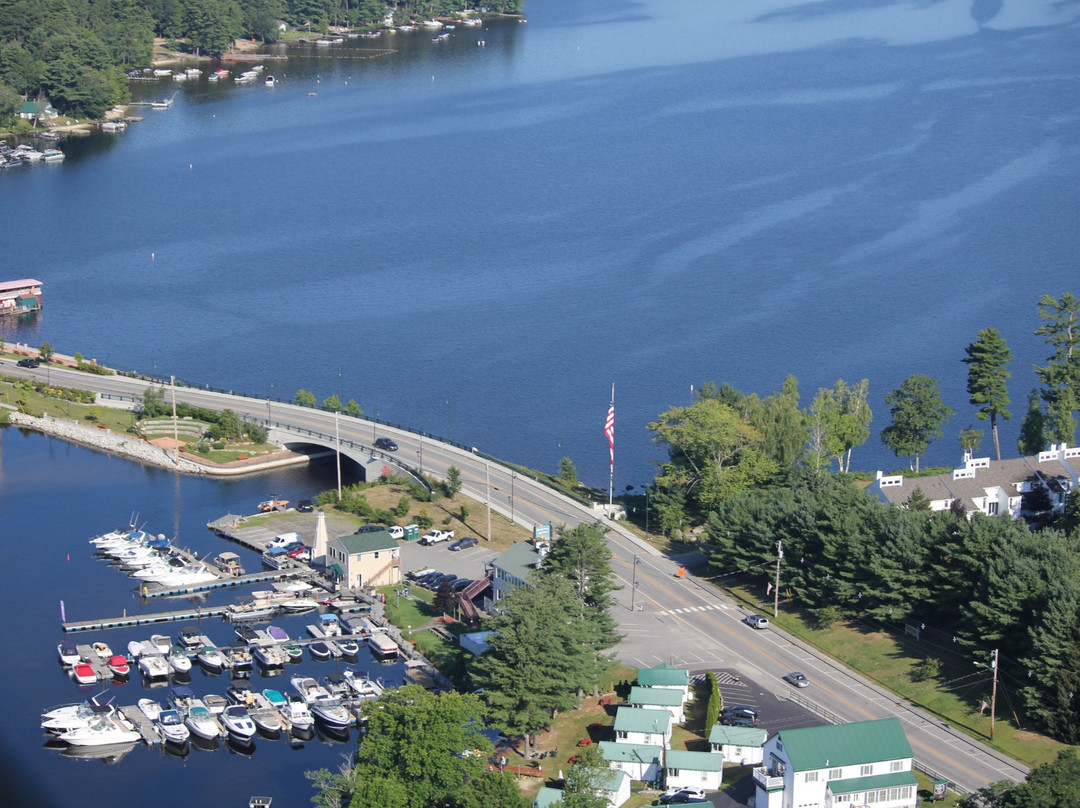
pixel 776 586
pixel 993 694
pixel 633 587
pixel 487 477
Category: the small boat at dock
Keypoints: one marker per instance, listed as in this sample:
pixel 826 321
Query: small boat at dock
pixel 382 646
pixel 171 725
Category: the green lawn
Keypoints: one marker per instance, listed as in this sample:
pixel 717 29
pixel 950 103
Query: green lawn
pixel 889 660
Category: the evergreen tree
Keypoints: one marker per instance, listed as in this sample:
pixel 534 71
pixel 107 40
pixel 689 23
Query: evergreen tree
pixel 1032 436
pixel 918 415
pixel 987 359
pixel 536 663
pixel 444 598
pixel 586 779
pixel 1061 375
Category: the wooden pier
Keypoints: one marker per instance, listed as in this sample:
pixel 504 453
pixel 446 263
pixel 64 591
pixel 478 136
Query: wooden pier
pixel 125 621
pixel 232 580
pixel 143 725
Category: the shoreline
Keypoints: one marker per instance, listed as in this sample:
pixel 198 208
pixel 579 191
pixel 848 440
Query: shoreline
pixel 142 451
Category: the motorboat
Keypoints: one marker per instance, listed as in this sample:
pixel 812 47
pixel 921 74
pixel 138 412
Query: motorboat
pixel 309 689
pixel 271 504
pixel 171 725
pixel 299 604
pixel 270 656
pixel 237 721
pixel 277 558
pixel 264 715
pixel 238 659
pixel 179 660
pixel 320 651
pixel 102 650
pixel 190 638
pixel 298 715
pixel 210 657
pixel 84 673
pixel 150 708
pixel 199 720
pixel 229 563
pixel 277 634
pixel 382 646
pixel 214 703
pixel 332 713
pixel 293 652
pixel 363 686
pixel 73 716
pixel 270 82
pixel 337 686
pixel 110 729
pixel 119 665
pixel 69 654
pixel 53 156
pixel 329 626
pixel 247 634
pixel 140 648
pixel 349 648
pixel 181 697
pixel 162 643
pixel 154 666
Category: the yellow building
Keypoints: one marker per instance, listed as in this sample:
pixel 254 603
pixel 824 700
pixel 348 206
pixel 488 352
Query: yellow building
pixel 365 559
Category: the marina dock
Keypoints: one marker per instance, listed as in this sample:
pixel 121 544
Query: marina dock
pixel 143 725
pixel 193 613
pixel 147 591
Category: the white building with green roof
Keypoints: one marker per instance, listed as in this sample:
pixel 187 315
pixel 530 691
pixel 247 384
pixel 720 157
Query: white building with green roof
pixel 615 790
pixel 742 746
pixel 658 698
pixel 635 725
pixel 683 769
pixel 867 763
pixel 510 570
pixel 666 677
pixel 639 761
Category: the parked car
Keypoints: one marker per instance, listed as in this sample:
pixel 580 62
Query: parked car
pixel 386 444
pixel 396 532
pixel 305 506
pixel 28 362
pixel 432 581
pixel 370 528
pixel 739 712
pixel 756 621
pixel 464 543
pixel 739 722
pixel 683 796
pixel 301 552
pixel 436 536
pixel 461 584
pixel 418 575
pixel 797 679
pixel 284 540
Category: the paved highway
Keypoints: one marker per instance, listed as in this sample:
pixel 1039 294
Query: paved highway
pixel 686 620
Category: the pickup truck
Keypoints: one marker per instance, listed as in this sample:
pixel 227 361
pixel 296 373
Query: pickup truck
pixel 436 536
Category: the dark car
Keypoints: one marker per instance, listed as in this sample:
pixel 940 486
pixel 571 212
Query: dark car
pixel 370 528
pixel 386 445
pixel 738 722
pixel 28 362
pixel 465 543
pixel 683 796
pixel 432 581
pixel 305 506
pixel 739 711
pixel 461 583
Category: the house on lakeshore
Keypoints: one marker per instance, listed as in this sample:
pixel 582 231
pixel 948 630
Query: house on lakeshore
pixel 20 297
pixel 513 569
pixel 37 111
pixel 666 677
pixel 639 761
pixel 1017 487
pixel 864 763
pixel 683 769
pixel 658 698
pixel 636 725
pixel 364 559
pixel 743 746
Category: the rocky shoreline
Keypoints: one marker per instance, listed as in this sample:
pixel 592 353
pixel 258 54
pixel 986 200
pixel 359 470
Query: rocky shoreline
pixel 144 452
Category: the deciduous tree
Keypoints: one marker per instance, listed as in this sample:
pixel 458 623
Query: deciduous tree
pixel 917 414
pixel 987 359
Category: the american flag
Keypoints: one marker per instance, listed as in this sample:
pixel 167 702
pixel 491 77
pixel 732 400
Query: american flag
pixel 609 430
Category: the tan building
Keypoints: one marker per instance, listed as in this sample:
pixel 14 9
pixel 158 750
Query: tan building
pixel 365 559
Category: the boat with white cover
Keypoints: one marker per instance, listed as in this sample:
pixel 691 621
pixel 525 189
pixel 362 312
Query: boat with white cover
pixel 153 666
pixel 171 725
pixel 150 708
pixel 210 657
pixel 237 721
pixel 179 660
pixel 73 716
pixel 199 720
pixel 110 729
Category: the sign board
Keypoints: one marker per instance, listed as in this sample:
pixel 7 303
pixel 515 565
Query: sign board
pixel 941 789
pixel 542 532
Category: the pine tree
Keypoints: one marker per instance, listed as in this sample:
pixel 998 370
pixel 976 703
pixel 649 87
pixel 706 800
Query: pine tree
pixel 1061 374
pixel 1032 435
pixel 987 359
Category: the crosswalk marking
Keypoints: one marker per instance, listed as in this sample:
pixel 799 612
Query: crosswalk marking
pixel 688 609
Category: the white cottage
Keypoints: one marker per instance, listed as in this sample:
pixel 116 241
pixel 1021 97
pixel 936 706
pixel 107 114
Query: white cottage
pixel 639 761
pixel 684 769
pixel 739 745
pixel 635 725
pixel 658 698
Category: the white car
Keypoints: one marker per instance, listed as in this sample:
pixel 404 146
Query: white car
pixel 284 540
pixel 756 621
pixel 396 532
pixel 436 536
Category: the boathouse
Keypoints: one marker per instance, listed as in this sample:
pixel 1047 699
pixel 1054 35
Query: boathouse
pixel 20 297
pixel 364 559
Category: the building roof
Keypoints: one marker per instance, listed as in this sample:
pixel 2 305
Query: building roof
pixel 367 542
pixel 618 752
pixel 614 780
pixel 694 761
pixel 663 675
pixel 737 736
pixel 548 796
pixel 666 697
pixel 857 784
pixel 835 745
pixel 519 561
pixel 637 719
pixel 25 283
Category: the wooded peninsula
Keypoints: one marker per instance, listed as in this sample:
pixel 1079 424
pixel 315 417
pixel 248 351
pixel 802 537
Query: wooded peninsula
pixel 75 54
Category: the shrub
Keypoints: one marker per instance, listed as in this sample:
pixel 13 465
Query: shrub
pixel 219 445
pixel 424 520
pixel 826 617
pixel 926 669
pixel 403 507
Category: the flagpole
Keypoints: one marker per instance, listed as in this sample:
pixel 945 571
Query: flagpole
pixel 611 474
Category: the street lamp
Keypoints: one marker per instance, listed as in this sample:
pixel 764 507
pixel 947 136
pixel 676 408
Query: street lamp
pixel 633 586
pixel 373 420
pixel 448 418
pixel 513 477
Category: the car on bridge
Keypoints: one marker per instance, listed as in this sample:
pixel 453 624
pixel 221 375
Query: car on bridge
pixel 386 444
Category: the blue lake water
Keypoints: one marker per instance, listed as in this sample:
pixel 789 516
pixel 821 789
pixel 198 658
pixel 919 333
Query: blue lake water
pixel 477 241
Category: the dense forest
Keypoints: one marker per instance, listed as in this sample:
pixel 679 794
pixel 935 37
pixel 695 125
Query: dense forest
pixel 75 53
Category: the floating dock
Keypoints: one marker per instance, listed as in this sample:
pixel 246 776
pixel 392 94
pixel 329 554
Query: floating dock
pixel 143 725
pixel 232 580
pixel 125 621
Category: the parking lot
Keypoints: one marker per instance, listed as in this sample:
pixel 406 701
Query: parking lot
pixel 470 563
